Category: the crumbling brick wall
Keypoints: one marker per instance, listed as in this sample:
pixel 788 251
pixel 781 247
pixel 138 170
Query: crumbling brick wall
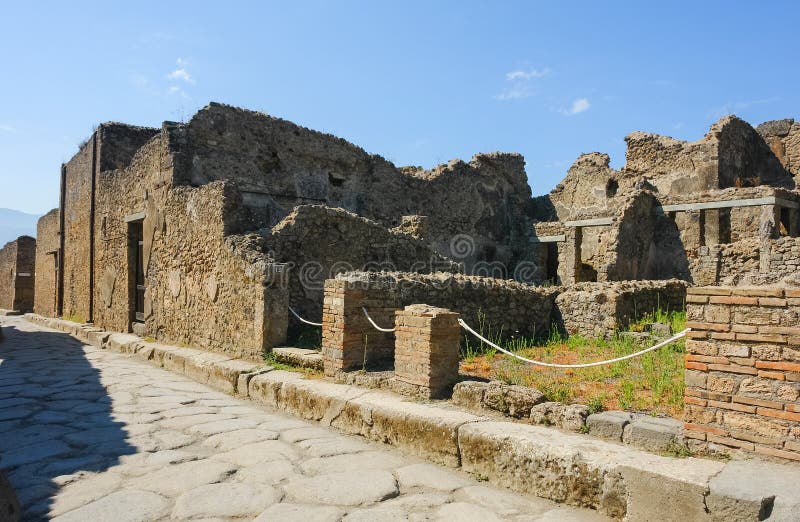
pixel 47 253
pixel 598 310
pixel 17 274
pixel 743 369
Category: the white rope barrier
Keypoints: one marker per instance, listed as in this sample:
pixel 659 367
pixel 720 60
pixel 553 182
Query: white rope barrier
pixel 375 325
pixel 584 365
pixel 303 320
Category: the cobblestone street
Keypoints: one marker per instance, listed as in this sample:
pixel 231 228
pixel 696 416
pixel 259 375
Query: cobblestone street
pixel 93 435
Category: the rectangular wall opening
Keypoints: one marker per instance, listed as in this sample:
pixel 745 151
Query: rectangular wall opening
pixel 136 284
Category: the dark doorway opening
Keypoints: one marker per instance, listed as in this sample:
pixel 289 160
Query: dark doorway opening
pixel 136 284
pixel 552 263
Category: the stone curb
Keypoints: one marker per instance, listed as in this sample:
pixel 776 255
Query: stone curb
pixel 617 480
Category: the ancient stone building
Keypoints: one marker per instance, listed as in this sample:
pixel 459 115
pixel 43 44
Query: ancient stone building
pixel 205 232
pixel 17 274
pixel 657 217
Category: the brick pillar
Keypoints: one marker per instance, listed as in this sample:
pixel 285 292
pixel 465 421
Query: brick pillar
pixel 427 348
pixel 349 342
pixel 743 369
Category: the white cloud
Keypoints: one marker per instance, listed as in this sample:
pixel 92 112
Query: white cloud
pixel 174 89
pixel 181 73
pixel 527 75
pixel 522 83
pixel 578 106
pixel 6 128
pixel 514 94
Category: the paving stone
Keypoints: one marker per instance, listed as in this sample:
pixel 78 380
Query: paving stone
pixel 223 426
pixel 366 460
pixel 566 514
pixel 182 423
pixel 33 453
pixel 174 480
pixel 122 506
pixel 502 502
pixel 224 500
pixel 332 446
pixel 284 512
pixel 381 512
pixel 430 476
pixel 272 472
pixel 235 439
pixel 305 433
pixel 351 488
pixel 465 512
pixel 264 451
pixel 84 491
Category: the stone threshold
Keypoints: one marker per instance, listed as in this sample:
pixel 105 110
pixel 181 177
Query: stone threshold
pixel 617 480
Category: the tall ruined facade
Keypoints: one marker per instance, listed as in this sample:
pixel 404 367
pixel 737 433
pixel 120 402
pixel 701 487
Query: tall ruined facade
pixel 17 274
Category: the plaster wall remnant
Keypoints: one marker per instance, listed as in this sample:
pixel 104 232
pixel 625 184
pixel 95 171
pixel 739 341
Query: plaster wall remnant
pixel 17 274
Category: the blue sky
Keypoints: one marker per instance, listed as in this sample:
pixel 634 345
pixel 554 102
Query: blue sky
pixel 416 82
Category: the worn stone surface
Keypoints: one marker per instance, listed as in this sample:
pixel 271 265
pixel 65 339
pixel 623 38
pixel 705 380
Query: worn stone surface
pixel 653 433
pixel 142 453
pixel 608 424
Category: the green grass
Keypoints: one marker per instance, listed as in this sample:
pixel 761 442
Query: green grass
pixel 651 382
pixel 75 318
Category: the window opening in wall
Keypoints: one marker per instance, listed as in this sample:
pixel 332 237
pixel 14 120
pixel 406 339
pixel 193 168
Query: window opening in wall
pixel 611 188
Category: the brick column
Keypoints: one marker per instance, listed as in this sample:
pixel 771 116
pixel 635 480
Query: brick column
pixel 349 342
pixel 743 369
pixel 427 348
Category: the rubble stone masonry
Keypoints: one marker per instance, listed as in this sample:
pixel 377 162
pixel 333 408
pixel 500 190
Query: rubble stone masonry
pixel 17 274
pixel 743 369
pixel 45 300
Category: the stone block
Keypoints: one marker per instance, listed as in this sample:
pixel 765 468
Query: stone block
pixel 469 394
pixel 608 424
pixel 652 433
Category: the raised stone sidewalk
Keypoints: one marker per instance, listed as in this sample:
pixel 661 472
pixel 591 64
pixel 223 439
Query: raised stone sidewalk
pixel 616 480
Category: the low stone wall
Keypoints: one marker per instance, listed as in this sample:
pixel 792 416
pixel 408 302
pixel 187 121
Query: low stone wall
pixel 600 309
pixel 349 341
pixel 743 370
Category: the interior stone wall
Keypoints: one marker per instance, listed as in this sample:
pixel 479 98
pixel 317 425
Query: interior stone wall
pixel 598 310
pixel 47 251
pixel 319 242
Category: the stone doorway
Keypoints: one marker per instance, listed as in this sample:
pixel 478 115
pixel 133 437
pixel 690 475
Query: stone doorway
pixel 136 283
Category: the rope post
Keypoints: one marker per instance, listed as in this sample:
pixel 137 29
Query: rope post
pixel 426 350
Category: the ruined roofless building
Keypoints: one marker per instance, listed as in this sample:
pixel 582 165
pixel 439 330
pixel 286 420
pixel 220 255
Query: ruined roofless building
pixel 205 232
pixel 184 233
pixel 691 210
pixel 17 274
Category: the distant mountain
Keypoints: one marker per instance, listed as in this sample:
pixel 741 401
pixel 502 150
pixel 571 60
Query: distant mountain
pixel 14 223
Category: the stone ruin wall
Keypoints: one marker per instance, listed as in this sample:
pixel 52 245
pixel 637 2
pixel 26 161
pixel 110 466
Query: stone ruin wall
pixel 206 286
pixel 279 165
pixel 111 146
pixel 743 370
pixel 783 138
pixel 319 242
pixel 17 258
pixel 599 310
pixel 748 262
pixel 47 246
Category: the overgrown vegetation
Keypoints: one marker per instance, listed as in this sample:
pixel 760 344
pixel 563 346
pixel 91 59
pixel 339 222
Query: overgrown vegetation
pixel 302 335
pixel 652 382
pixel 271 360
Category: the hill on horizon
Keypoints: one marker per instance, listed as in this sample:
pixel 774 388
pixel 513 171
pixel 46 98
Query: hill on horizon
pixel 14 223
